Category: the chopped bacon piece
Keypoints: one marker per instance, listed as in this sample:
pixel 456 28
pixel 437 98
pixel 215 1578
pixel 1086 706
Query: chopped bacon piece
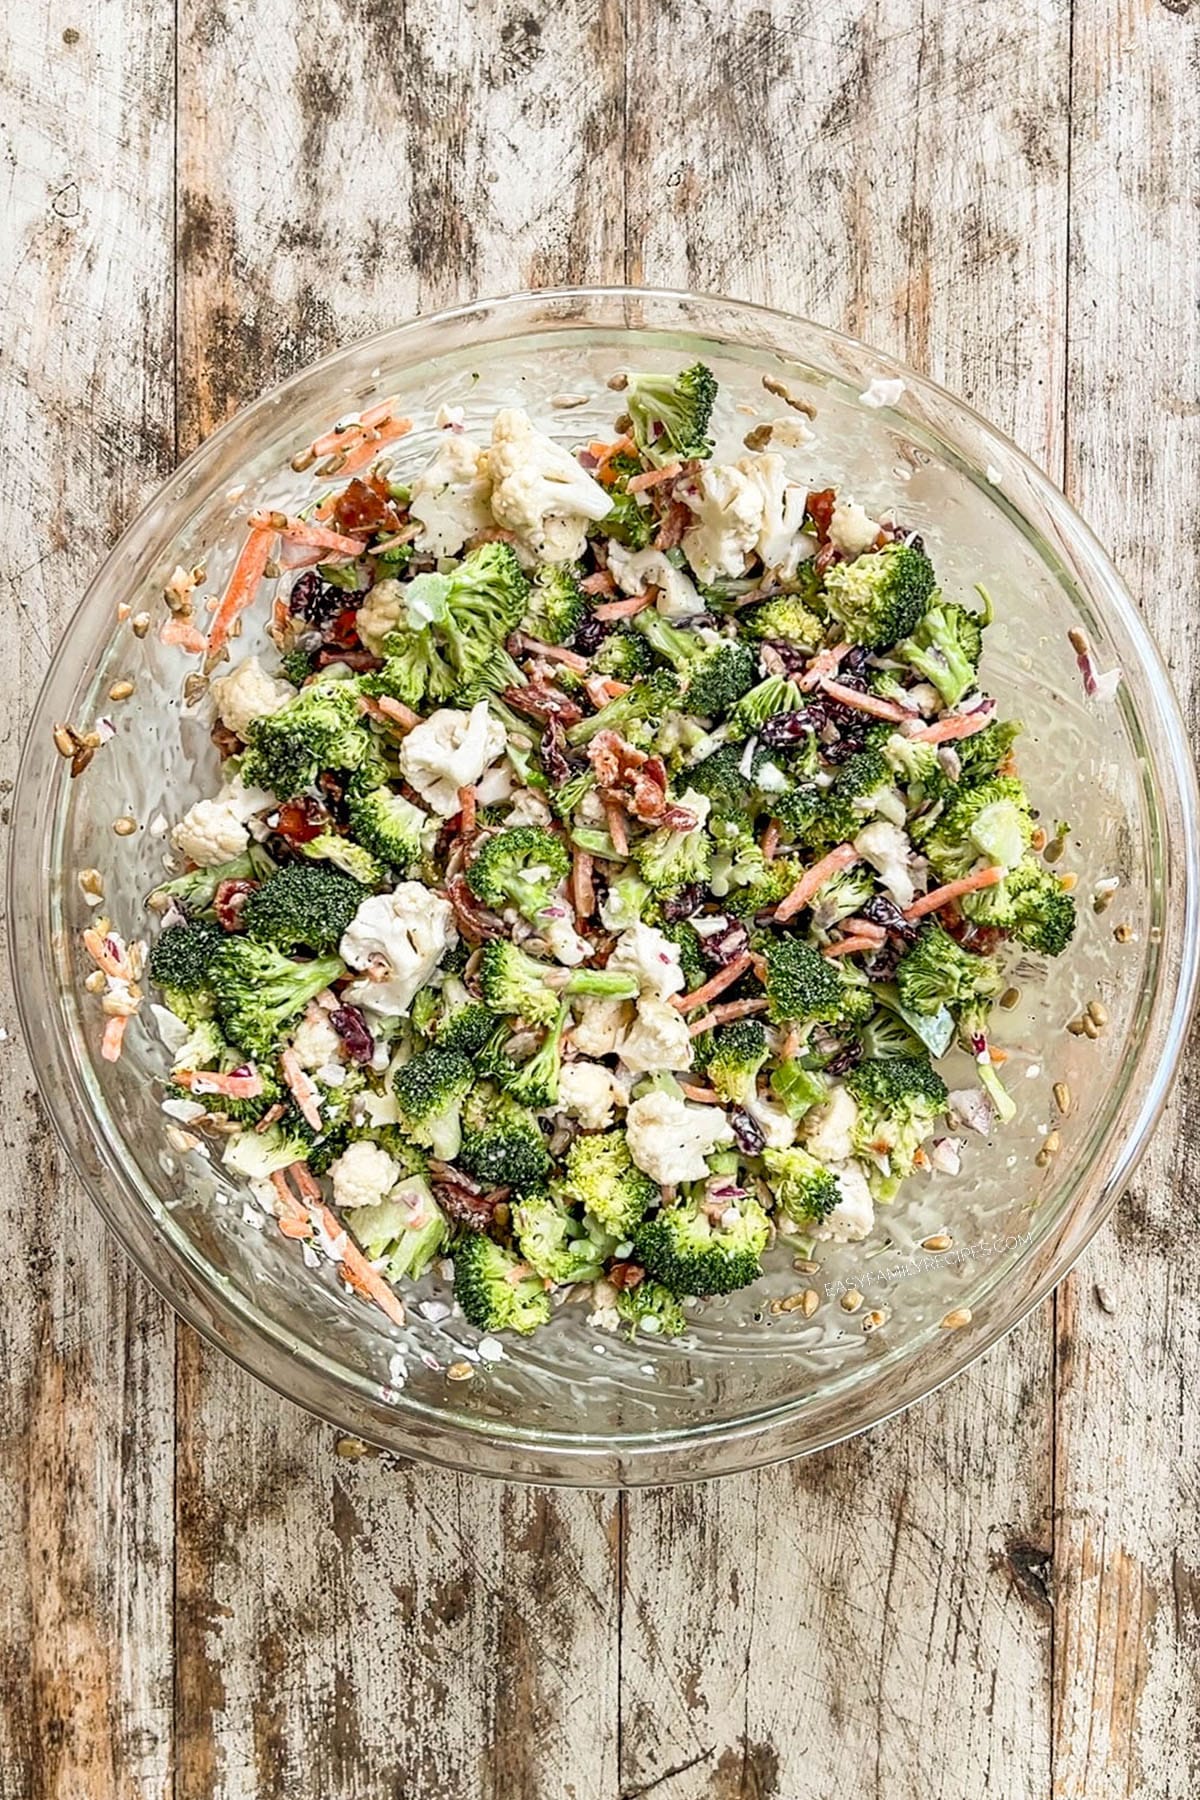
pixel 543 701
pixel 583 893
pixel 600 583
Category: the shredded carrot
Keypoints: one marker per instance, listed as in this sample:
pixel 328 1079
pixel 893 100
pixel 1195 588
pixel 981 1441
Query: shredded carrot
pixel 343 437
pixel 553 652
pixel 705 1022
pixel 304 1091
pixel 112 962
pixel 270 1116
pixel 824 663
pixel 583 894
pixel 600 689
pixel 183 634
pixel 738 1009
pixel 242 588
pixel 236 1087
pixel 615 819
pixel 623 609
pixel 953 890
pixel 770 842
pixel 703 1096
pixel 466 806
pixel 865 703
pixel 715 985
pixel 356 1271
pixel 958 725
pixel 652 478
pixel 812 880
pixel 850 946
pixel 863 928
pixel 114 1037
pixel 299 531
pixel 398 713
pixel 599 583
pixel 605 454
pixel 288 1209
pixel 997 1055
pixel 365 453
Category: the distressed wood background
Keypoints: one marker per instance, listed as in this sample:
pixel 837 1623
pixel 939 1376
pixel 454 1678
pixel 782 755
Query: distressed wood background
pixel 199 1598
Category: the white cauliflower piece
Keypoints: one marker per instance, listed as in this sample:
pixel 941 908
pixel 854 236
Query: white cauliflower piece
pixel 363 1174
pixel 636 570
pixel 400 938
pixel 587 1092
pixel 670 1140
pixel 828 1130
pixel 448 751
pixel 853 1218
pixel 450 497
pixel 728 505
pixel 528 808
pixel 600 1025
pixel 851 528
pixel 887 850
pixel 380 613
pixel 774 1121
pixel 210 833
pixel 657 1040
pixel 556 928
pixel 244 802
pixel 539 491
pixel 314 1040
pixel 651 958
pixel 248 693
pixel 781 543
pixel 604 1315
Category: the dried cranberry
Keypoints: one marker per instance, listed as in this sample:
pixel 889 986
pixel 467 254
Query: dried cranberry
pixel 793 658
pixel 882 966
pixel 229 902
pixel 747 1132
pixel 719 948
pixel 820 510
pixel 342 631
pixel 590 633
pixel 302 820
pixel 881 909
pixel 352 1028
pixel 901 534
pixel 315 600
pixel 784 729
pixel 683 903
pixel 846 1058
pixel 553 752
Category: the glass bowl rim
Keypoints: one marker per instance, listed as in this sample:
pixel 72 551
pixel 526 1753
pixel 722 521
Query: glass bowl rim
pixel 513 1453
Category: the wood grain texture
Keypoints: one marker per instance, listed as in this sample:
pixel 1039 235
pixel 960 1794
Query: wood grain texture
pixel 86 1402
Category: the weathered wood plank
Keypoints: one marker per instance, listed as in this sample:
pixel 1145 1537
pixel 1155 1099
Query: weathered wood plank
pixel 1127 1548
pixel 86 1403
pixel 874 1620
pixel 345 1629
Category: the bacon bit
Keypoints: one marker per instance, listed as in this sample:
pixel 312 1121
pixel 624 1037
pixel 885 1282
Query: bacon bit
pixel 970 884
pixel 623 609
pixel 600 583
pixel 819 506
pixel 770 841
pixel 864 928
pixel 615 820
pixel 583 893
pixel 653 478
pixel 850 946
pixel 613 759
pixel 866 703
pixel 703 1096
pixel 182 634
pixel 269 1118
pixel 811 882
pixel 552 652
pixel 364 454
pixel 958 725
pixel 543 701
pixel 304 1091
pixel 371 709
pixel 302 820
pixel 716 984
pixel 299 531
pixel 240 593
pixel 466 805
pixel 738 1009
pixel 675 522
pixel 104 953
pixel 475 922
pixel 600 689
pixel 114 1037
pixel 397 713
pixel 705 1022
pixel 823 664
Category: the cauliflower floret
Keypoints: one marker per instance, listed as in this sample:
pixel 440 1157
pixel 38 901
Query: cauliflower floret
pixel 828 1130
pixel 363 1174
pixel 854 1215
pixel 729 509
pixel 450 497
pixel 774 1121
pixel 851 528
pixel 657 1040
pixel 604 1315
pixel 400 938
pixel 248 693
pixel 670 1140
pixel 448 751
pixel 887 850
pixel 587 1092
pixel 528 808
pixel 539 491
pixel 314 1040
pixel 781 542
pixel 244 802
pixel 599 1026
pixel 637 570
pixel 210 833
pixel 653 959
pixel 556 928
pixel 380 613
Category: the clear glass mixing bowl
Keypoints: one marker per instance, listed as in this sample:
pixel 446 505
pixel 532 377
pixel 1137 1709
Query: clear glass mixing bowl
pixel 749 1384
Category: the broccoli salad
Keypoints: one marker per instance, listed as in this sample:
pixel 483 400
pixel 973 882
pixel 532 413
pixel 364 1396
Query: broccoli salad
pixel 607 858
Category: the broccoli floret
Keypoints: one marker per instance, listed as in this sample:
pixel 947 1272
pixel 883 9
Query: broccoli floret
pixel 937 972
pixel 652 1310
pixel 668 860
pixel 945 649
pixel 255 1155
pixel 502 1145
pixel 916 768
pixel 803 985
pixel 415 670
pixel 402 1236
pixel 886 1034
pixel 671 414
pixel 624 655
pixel 522 867
pixel 1041 913
pixel 556 1246
pixel 302 908
pixel 296 666
pixel 181 964
pixel 566 799
pixel 719 778
pixel 493 1290
pixel 515 983
pixel 320 729
pixel 688 1254
pixel 648 700
pixel 899 1098
pixel 387 825
pixel 488 596
pixel 881 596
pixel 452 641
pixel 803 1188
pixel 632 520
pixel 715 671
pixel 739 1051
pixel 194 892
pixel 990 822
pixel 557 605
pixel 352 859
pixel 535 1082
pixel 843 894
pixel 987 753
pixel 691 959
pixel 774 884
pixel 458 1022
pixel 819 816
pixel 430 1090
pixel 602 1177
pixel 774 695
pixel 260 991
pixel 785 619
pixel 797 1088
